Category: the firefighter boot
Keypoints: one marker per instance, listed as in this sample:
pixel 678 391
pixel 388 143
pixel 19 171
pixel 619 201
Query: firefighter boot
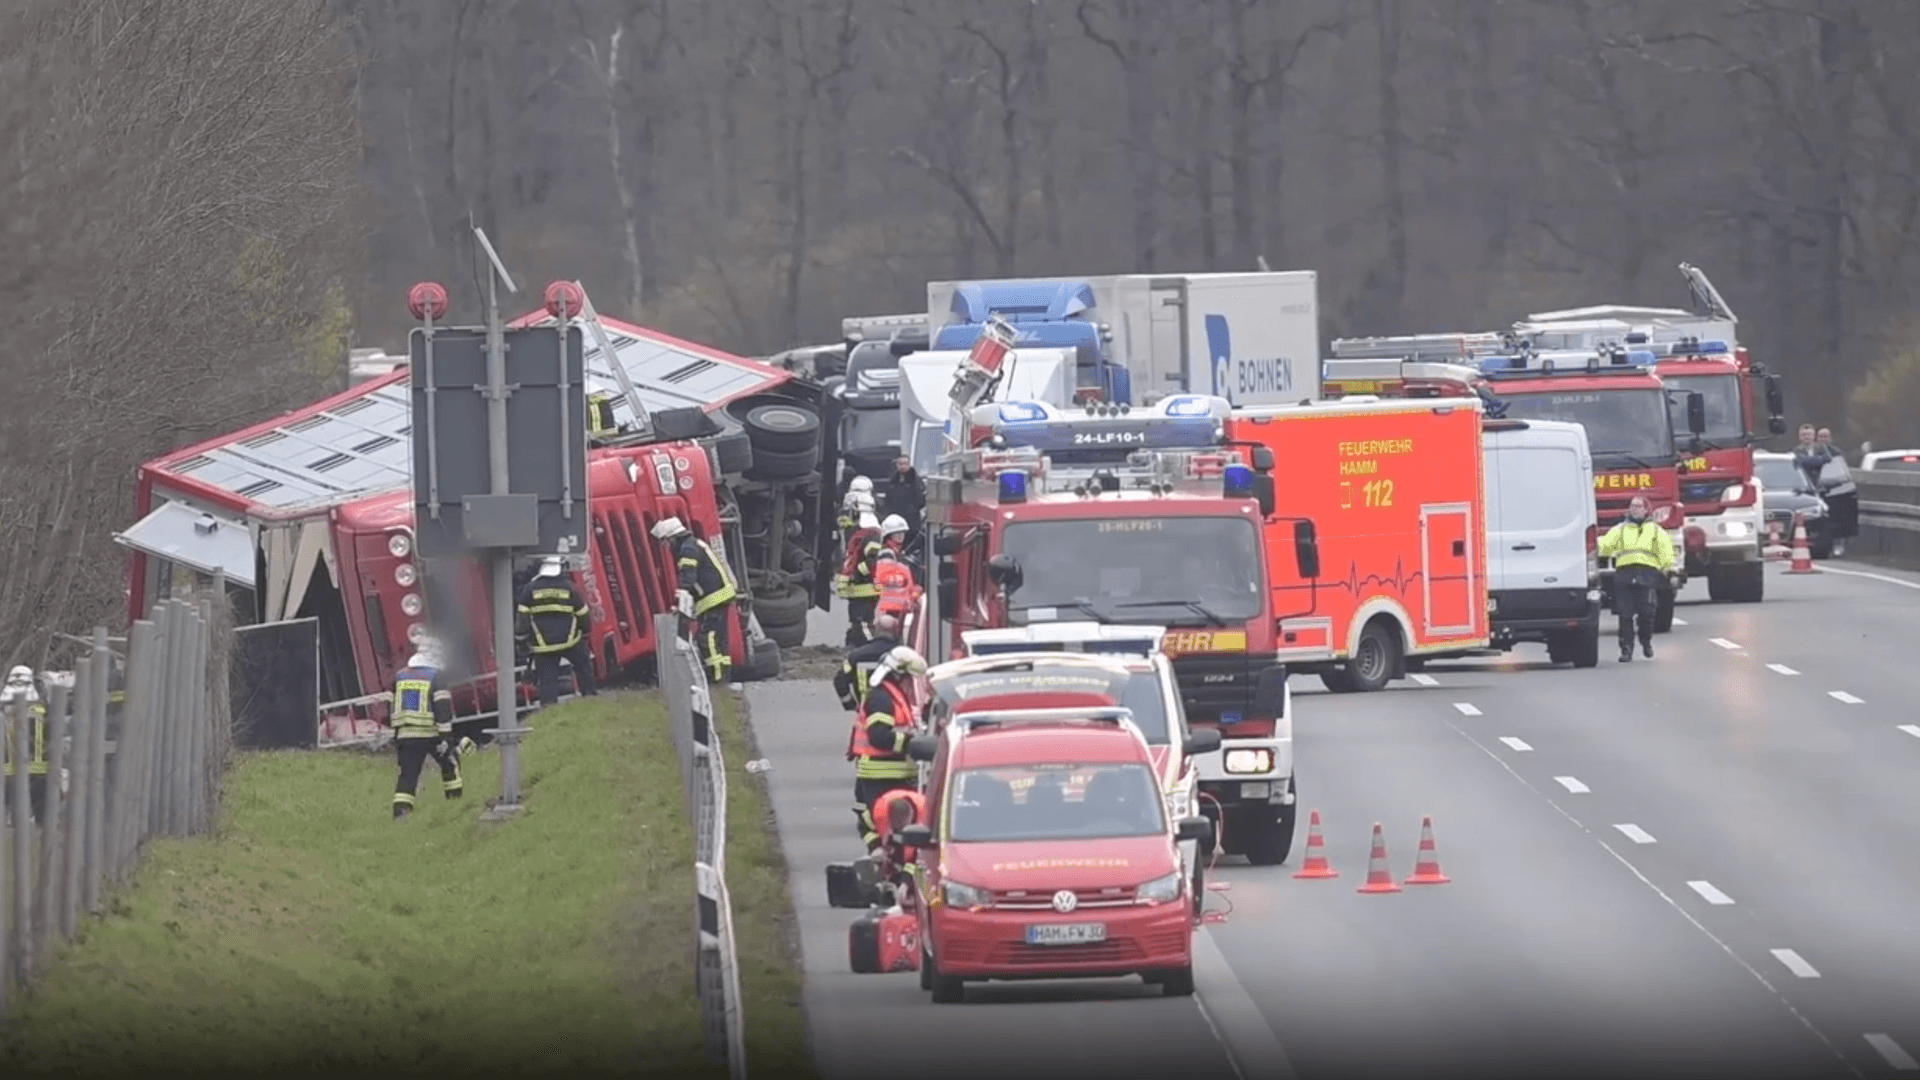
pixel 401 811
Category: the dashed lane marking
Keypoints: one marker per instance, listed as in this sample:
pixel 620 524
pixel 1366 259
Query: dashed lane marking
pixel 1876 577
pixel 1572 785
pixel 1710 894
pixel 1896 1056
pixel 1424 679
pixel 1843 696
pixel 1782 669
pixel 1679 621
pixel 1724 643
pixel 1911 729
pixel 1517 744
pixel 1466 709
pixel 1795 963
pixel 1636 834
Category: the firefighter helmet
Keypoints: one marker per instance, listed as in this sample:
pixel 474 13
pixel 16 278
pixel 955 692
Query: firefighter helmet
pixel 894 525
pixel 669 528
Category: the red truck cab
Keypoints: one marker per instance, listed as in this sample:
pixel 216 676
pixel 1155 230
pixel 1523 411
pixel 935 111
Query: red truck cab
pixel 1050 855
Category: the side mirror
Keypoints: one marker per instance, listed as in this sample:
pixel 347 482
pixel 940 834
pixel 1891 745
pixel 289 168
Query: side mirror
pixel 1193 828
pixel 1697 413
pixel 1306 550
pixel 1262 459
pixel 1004 570
pixel 1263 493
pixel 1776 404
pixel 946 542
pixel 1777 425
pixel 1202 741
pixel 916 835
pixel 922 747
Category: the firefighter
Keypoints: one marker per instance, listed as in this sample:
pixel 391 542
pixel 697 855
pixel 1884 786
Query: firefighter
pixel 893 812
pixel 555 620
pixel 600 422
pixel 878 743
pixel 856 575
pixel 422 721
pixel 706 593
pixel 1643 556
pixel 852 681
pixel 899 596
pixel 20 687
pixel 858 500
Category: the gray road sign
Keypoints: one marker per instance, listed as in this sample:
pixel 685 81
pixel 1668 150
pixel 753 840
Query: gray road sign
pixel 546 513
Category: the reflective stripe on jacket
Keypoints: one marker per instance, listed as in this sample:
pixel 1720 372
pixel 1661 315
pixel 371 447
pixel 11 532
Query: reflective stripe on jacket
pixel 1645 544
pixel 704 574
pixel 420 706
pixel 36 738
pixel 555 613
pixel 895 714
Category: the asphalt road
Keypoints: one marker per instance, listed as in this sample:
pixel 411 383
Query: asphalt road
pixel 1704 864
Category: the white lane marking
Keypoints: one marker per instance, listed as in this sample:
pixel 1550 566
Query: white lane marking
pixel 1842 695
pixel 1466 709
pixel 1636 834
pixel 1424 679
pixel 1876 577
pixel 1795 963
pixel 1709 893
pixel 1250 1044
pixel 1911 729
pixel 1896 1057
pixel 1517 744
pixel 1724 643
pixel 1572 785
pixel 1679 621
pixel 1662 894
pixel 1782 669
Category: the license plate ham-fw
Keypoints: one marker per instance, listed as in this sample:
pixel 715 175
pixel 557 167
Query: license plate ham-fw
pixel 1067 934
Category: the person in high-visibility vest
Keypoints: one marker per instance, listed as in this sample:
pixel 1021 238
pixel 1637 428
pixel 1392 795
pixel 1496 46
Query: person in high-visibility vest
pixel 855 677
pixel 706 593
pixel 20 687
pixel 422 722
pixel 600 422
pixel 555 618
pixel 899 596
pixel 877 744
pixel 1643 557
pixel 856 574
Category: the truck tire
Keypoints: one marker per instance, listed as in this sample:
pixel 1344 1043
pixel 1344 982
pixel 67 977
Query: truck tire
pixel 782 605
pixel 1663 610
pixel 782 428
pixel 763 661
pixel 787 635
pixel 733 453
pixel 1374 657
pixel 781 464
pixel 1738 583
pixel 1335 679
pixel 1266 834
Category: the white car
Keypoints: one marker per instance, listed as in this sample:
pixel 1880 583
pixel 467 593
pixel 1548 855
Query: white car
pixel 1883 460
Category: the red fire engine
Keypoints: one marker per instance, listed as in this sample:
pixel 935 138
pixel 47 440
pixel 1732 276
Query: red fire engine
pixel 1699 352
pixel 1579 372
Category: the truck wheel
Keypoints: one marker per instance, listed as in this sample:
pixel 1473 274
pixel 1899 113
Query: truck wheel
pixel 763 661
pixel 782 605
pixel 787 635
pixel 1373 658
pixel 1663 611
pixel 781 464
pixel 1738 583
pixel 1268 835
pixel 1583 646
pixel 782 429
pixel 1176 983
pixel 1336 679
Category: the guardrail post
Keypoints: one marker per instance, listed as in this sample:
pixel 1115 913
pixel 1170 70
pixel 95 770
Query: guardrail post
pixel 53 826
pixel 94 839
pixel 80 809
pixel 22 842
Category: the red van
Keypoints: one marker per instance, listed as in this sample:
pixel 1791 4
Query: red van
pixel 1050 853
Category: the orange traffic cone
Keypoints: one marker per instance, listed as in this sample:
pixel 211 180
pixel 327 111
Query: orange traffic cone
pixel 1802 555
pixel 1776 547
pixel 1426 868
pixel 1379 877
pixel 1316 865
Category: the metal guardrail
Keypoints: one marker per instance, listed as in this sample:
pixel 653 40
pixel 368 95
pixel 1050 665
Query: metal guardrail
pixel 703 769
pixel 115 776
pixel 1889 517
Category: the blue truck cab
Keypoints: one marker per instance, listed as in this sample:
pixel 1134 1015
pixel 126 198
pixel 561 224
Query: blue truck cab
pixel 1058 313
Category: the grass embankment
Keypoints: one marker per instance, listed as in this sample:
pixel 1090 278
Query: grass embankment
pixel 315 935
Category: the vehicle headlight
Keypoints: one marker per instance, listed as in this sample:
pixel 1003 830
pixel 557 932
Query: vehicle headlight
pixel 1178 803
pixel 1249 761
pixel 1161 890
pixel 964 896
pixel 1734 493
pixel 398 545
pixel 405 575
pixel 410 604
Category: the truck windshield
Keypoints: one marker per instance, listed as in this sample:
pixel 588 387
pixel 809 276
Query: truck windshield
pixel 1630 427
pixel 1725 424
pixel 871 429
pixel 1180 570
pixel 1055 802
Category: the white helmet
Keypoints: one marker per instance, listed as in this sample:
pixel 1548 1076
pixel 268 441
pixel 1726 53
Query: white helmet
pixel 669 528
pixel 895 525
pixel 868 521
pixel 21 675
pixel 860 484
pixel 899 659
pixel 551 566
pixel 420 659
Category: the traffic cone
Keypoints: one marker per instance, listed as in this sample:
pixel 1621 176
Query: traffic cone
pixel 1802 555
pixel 1316 865
pixel 1379 877
pixel 1776 546
pixel 1426 867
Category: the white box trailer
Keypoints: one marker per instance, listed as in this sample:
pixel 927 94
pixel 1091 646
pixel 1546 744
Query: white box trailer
pixel 1252 338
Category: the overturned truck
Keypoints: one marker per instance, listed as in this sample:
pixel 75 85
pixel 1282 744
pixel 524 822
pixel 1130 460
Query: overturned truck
pixel 309 516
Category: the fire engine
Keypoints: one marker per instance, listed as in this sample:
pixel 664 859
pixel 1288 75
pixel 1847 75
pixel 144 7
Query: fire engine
pixel 1699 352
pixel 1577 371
pixel 310 515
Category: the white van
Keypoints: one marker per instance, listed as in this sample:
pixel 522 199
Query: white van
pixel 1543 573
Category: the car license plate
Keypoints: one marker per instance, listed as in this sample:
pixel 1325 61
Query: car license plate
pixel 1087 933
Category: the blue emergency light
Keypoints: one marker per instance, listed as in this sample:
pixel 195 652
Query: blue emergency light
pixel 1236 482
pixel 1022 412
pixel 1013 486
pixel 1694 348
pixel 1187 405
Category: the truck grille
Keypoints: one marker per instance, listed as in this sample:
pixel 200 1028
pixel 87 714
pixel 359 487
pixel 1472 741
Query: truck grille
pixel 1211 684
